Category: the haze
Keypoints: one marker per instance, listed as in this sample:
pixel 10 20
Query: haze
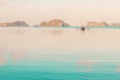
pixel 74 12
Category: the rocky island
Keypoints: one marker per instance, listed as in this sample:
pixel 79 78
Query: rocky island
pixel 54 22
pixel 57 23
pixel 115 24
pixel 98 24
pixel 14 24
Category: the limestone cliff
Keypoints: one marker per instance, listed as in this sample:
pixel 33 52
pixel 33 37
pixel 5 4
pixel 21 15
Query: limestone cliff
pixel 93 24
pixel 14 24
pixel 115 24
pixel 43 24
pixel 55 22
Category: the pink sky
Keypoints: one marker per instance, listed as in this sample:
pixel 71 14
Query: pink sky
pixel 75 12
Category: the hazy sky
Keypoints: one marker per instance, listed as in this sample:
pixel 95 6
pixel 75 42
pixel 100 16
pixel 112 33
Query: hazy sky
pixel 75 12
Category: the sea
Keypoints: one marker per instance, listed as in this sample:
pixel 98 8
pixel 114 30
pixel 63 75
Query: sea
pixel 44 53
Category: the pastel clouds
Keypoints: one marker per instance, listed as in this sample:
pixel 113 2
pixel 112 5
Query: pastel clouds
pixel 3 2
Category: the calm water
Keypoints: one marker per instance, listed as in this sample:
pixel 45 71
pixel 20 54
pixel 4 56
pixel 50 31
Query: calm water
pixel 59 54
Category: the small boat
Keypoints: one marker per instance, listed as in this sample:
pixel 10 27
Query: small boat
pixel 83 28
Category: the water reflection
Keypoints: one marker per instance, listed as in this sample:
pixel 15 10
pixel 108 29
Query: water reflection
pixel 55 32
pixel 86 64
pixel 8 56
pixel 19 31
pixel 19 55
pixel 2 59
pixel 118 70
pixel 64 44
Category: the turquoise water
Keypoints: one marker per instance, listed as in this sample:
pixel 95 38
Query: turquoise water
pixel 59 54
pixel 108 27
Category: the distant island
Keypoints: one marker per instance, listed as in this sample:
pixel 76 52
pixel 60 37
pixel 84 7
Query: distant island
pixel 14 24
pixel 101 24
pixel 56 23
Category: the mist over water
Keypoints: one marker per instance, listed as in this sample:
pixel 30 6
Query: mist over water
pixel 59 54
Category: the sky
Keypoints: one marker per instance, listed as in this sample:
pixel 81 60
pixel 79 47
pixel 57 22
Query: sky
pixel 74 12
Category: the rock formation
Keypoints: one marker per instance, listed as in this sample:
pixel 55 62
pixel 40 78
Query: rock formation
pixel 93 24
pixel 14 24
pixel 55 22
pixel 43 24
pixel 115 24
pixel 20 23
pixel 3 24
